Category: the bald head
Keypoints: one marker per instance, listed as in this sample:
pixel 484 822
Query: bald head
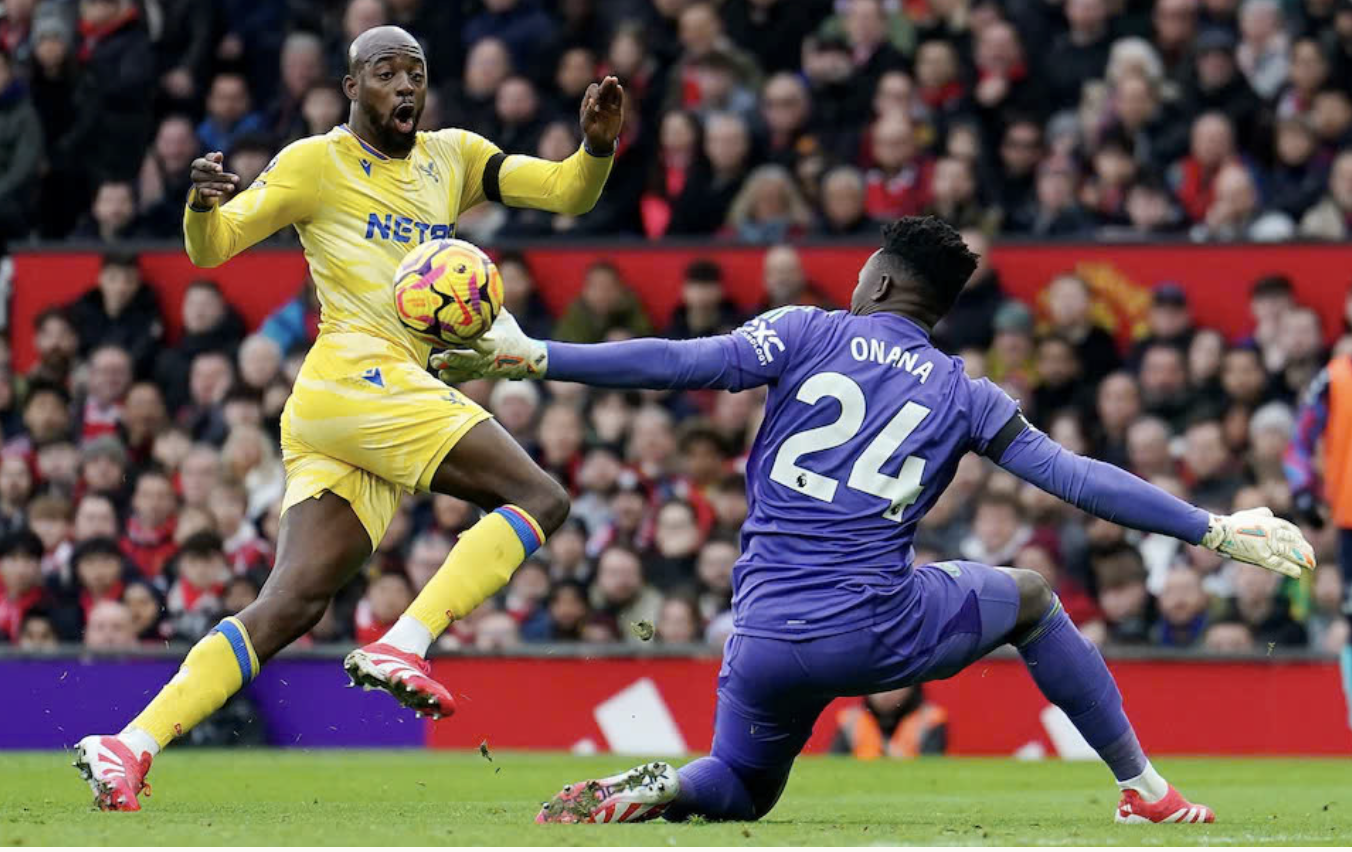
pixel 380 42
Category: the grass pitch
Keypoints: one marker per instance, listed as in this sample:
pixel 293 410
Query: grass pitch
pixel 241 798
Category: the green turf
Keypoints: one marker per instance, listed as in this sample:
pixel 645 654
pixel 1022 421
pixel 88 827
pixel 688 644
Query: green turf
pixel 427 798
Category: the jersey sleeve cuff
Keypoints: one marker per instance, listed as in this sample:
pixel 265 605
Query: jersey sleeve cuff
pixel 586 146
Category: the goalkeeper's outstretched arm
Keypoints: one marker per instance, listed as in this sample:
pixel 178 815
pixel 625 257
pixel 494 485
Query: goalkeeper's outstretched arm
pixel 1109 492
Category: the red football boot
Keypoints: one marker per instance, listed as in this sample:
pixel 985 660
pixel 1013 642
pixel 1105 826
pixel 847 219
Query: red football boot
pixel 638 795
pixel 115 775
pixel 406 676
pixel 1172 808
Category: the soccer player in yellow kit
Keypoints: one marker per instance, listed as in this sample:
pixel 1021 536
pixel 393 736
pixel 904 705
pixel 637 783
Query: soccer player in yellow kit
pixel 366 422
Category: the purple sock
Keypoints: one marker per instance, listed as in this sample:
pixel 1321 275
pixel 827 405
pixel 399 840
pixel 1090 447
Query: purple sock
pixel 709 788
pixel 1072 675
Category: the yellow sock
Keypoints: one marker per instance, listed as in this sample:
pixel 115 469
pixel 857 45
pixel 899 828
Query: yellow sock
pixel 215 669
pixel 481 562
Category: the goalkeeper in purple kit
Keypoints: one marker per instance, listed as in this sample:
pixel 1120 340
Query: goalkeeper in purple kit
pixel 864 426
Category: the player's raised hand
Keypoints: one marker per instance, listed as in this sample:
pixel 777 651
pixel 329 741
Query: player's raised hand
pixel 1256 537
pixel 603 115
pixel 503 352
pixel 210 181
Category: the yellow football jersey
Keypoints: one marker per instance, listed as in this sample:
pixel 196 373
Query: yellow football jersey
pixel 358 212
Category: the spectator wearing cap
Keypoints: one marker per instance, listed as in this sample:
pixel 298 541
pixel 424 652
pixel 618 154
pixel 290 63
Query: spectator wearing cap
pixel 1010 360
pixel 194 602
pixel 1168 321
pixel 1331 218
pixel 119 310
pixel 149 538
pixel 1218 86
pixel 20 151
pixel 704 309
pixel 21 583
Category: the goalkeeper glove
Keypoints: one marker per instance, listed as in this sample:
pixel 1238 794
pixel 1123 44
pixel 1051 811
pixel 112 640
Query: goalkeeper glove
pixel 503 352
pixel 1256 537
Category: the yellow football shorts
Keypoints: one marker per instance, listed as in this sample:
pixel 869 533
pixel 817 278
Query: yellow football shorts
pixel 368 423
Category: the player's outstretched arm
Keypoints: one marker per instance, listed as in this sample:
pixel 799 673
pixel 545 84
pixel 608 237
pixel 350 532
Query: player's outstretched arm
pixel 220 221
pixel 1108 492
pixel 573 186
pixel 506 352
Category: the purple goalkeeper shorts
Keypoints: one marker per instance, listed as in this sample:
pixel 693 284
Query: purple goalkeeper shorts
pixel 770 691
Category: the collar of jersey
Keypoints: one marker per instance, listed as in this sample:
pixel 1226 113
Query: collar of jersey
pixel 365 147
pixel 920 329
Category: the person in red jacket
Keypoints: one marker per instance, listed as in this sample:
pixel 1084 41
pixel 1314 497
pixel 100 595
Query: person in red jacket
pixel 149 540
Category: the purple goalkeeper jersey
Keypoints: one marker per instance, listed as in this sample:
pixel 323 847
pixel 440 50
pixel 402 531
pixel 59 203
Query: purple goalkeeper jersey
pixel 864 427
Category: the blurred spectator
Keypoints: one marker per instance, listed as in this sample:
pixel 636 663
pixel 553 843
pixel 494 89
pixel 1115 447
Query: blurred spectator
pixel 520 24
pixel 110 376
pixel 605 304
pixel 385 600
pixel 714 179
pixel 16 486
pixel 110 627
pixel 21 583
pixel 566 612
pixel 149 539
pixel 1330 218
pixel 899 183
pixel 302 66
pixel 111 106
pixel 1182 605
pixel 521 295
pixel 58 347
pixel 20 151
pixel 194 601
pixel 704 309
pixel 768 208
pixel 1126 603
pixel 1262 609
pixel 487 64
pixel 146 605
pixel 229 113
pixel 786 281
pixel 621 592
pixel 970 323
pixel 1219 87
pixel 1235 213
pixel 165 178
pixel 898 723
pixel 1263 46
pixel 99 574
pixel 119 310
pixel 678 622
pixel 245 549
pixel 1070 303
pixel 113 214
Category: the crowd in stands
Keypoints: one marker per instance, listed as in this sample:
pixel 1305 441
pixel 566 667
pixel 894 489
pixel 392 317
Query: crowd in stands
pixel 140 479
pixel 750 120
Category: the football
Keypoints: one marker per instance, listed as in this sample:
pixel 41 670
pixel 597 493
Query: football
pixel 447 292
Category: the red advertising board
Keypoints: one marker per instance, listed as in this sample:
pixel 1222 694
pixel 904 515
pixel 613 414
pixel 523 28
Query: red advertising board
pixel 1217 278
pixel 666 705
